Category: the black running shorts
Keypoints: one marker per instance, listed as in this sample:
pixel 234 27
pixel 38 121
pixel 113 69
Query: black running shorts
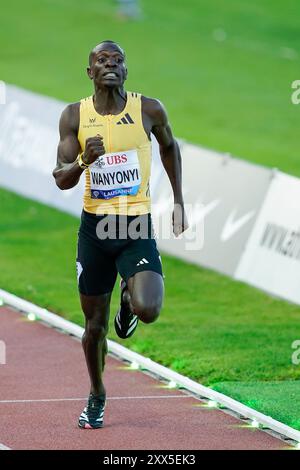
pixel 108 244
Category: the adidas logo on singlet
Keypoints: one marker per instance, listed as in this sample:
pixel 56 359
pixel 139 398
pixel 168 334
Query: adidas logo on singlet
pixel 127 119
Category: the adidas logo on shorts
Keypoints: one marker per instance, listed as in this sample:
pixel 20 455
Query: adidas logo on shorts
pixel 143 261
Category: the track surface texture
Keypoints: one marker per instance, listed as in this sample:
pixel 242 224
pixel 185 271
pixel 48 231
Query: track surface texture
pixel 43 389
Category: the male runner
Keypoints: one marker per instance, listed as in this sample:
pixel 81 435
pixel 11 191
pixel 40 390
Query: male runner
pixel 107 136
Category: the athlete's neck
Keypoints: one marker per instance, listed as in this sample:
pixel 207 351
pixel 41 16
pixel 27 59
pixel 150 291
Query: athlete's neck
pixel 109 100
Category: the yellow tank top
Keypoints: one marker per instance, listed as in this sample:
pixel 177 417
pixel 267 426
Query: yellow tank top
pixel 118 182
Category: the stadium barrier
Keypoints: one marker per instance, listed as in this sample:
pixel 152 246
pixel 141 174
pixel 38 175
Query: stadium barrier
pixel 243 217
pixel 218 192
pixel 271 259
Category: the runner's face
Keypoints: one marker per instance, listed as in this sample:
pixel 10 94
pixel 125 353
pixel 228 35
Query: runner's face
pixel 108 67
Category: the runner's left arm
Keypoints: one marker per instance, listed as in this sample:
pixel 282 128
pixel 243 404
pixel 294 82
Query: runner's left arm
pixel 171 160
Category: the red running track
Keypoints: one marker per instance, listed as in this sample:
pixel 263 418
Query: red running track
pixel 44 385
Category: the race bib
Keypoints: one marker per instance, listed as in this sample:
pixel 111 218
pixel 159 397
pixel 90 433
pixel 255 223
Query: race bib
pixel 115 174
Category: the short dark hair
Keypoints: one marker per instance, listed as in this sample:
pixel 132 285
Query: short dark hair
pixel 109 41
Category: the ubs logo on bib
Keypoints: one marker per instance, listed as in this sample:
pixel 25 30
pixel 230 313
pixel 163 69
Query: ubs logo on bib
pixel 116 159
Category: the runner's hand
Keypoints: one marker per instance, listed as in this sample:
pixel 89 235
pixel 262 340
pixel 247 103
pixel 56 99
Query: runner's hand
pixel 94 148
pixel 179 219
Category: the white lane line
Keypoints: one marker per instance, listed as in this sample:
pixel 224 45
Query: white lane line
pixel 3 447
pixel 151 397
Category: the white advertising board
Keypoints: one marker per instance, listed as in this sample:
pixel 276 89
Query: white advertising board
pixel 271 260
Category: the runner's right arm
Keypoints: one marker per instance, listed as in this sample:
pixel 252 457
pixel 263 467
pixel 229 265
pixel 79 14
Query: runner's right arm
pixel 67 171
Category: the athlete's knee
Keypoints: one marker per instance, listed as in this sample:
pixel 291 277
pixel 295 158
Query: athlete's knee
pixel 95 330
pixel 96 312
pixel 147 312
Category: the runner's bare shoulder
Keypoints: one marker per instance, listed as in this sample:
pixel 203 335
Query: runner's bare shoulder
pixel 154 114
pixel 152 107
pixel 70 117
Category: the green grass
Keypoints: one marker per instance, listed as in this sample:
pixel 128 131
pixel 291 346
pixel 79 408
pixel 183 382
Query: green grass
pixel 231 95
pixel 211 328
pixel 281 400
